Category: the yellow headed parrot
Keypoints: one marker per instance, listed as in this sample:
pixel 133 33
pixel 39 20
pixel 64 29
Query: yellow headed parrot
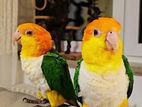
pixel 103 76
pixel 46 70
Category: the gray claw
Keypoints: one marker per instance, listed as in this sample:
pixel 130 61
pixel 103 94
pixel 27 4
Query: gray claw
pixel 37 101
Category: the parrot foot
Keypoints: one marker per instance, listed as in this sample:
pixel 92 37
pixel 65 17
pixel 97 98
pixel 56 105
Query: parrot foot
pixel 37 101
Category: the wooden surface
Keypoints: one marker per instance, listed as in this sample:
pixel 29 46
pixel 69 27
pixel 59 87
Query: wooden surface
pixel 137 67
pixel 73 57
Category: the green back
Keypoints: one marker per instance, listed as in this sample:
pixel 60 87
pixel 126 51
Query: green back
pixel 129 72
pixel 55 70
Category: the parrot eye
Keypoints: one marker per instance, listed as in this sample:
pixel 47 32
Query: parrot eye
pixel 96 33
pixel 111 33
pixel 29 32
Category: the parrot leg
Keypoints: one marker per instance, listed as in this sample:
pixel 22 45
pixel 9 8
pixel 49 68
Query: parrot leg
pixel 124 103
pixel 40 100
pixel 39 95
pixel 85 105
pixel 55 99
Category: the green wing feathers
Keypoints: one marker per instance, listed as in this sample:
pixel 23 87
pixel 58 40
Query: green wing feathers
pixel 55 70
pixel 76 84
pixel 129 72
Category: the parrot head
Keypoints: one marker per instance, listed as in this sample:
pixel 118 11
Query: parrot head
pixel 34 39
pixel 102 44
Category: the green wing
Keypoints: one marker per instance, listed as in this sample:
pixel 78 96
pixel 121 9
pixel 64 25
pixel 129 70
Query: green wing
pixel 55 70
pixel 129 72
pixel 76 84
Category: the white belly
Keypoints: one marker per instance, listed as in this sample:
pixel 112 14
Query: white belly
pixel 103 91
pixel 32 69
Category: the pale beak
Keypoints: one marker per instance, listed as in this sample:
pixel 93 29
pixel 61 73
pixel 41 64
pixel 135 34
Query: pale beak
pixel 16 38
pixel 112 41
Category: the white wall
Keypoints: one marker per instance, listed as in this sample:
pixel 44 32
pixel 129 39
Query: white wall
pixel 127 13
pixel 136 97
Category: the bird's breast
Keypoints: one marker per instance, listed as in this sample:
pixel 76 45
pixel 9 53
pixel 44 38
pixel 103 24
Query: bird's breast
pixel 101 90
pixel 32 68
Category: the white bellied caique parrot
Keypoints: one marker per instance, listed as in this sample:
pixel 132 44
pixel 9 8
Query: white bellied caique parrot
pixel 103 77
pixel 46 70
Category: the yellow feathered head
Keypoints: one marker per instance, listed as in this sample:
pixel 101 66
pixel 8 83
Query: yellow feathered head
pixel 34 39
pixel 101 41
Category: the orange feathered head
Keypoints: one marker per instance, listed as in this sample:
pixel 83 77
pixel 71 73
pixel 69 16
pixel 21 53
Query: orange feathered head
pixel 101 41
pixel 102 24
pixel 34 39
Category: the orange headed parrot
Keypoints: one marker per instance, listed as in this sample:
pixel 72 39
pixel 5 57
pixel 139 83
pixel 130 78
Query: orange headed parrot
pixel 46 70
pixel 103 76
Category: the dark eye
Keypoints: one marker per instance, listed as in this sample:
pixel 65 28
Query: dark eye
pixel 96 33
pixel 17 31
pixel 29 32
pixel 111 33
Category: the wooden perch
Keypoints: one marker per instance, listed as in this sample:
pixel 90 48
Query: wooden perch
pixel 44 17
pixel 72 28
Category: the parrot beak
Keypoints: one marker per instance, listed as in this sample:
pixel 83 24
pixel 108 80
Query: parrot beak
pixel 16 38
pixel 112 41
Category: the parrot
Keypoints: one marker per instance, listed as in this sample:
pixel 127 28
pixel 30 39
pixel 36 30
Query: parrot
pixel 45 68
pixel 103 76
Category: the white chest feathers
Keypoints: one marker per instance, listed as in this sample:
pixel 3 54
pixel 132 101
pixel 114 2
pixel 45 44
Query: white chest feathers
pixel 32 69
pixel 103 91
